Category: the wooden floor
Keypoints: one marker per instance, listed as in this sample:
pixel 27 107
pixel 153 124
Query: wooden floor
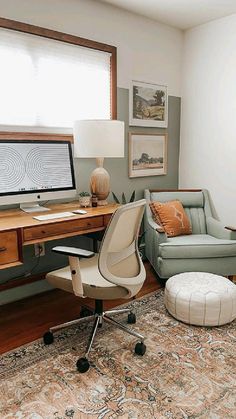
pixel 26 320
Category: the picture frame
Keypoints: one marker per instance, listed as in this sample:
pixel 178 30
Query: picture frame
pixel 147 154
pixel 148 105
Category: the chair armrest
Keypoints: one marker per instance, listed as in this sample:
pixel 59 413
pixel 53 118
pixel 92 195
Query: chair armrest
pixel 151 223
pixel 160 229
pixel 73 251
pixel 230 228
pixel 153 238
pixel 216 229
pixel 232 231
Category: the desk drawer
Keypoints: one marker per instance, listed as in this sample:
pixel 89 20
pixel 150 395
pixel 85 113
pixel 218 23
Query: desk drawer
pixel 60 228
pixel 107 219
pixel 9 251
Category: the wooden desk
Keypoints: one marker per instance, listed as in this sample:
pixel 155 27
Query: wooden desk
pixel 18 229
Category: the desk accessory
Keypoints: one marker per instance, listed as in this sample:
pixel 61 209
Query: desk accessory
pixel 53 216
pixel 94 200
pixel 85 199
pixel 99 139
pixel 78 211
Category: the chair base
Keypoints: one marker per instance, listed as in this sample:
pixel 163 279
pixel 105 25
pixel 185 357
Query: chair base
pixel 99 317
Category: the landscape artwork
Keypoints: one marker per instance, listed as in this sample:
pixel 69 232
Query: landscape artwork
pixel 148 105
pixel 147 154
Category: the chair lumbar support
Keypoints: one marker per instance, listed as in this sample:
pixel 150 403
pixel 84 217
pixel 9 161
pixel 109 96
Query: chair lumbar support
pixel 99 317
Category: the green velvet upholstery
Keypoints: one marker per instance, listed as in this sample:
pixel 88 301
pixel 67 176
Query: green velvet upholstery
pixel 211 247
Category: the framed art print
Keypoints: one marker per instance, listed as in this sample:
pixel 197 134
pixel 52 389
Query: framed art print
pixel 147 154
pixel 148 105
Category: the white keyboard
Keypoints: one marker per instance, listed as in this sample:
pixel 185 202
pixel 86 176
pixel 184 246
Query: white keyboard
pixel 53 216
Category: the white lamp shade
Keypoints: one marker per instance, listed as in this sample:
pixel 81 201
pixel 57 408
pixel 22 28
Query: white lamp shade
pixel 99 138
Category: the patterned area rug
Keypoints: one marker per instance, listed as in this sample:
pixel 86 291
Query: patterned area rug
pixel 187 372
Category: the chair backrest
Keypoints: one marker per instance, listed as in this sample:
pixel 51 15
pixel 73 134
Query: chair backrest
pixel 195 203
pixel 119 259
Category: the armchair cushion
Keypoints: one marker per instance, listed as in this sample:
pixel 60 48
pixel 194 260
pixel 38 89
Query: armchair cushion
pixel 196 246
pixel 172 217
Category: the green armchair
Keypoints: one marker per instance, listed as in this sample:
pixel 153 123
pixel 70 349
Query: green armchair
pixel 211 247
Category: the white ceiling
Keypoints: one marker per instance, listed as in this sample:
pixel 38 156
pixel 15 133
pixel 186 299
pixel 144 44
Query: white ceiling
pixel 182 14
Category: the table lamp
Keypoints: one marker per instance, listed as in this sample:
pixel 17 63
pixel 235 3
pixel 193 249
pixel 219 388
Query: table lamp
pixel 99 139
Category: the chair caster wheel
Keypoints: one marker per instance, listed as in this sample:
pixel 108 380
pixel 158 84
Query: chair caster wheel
pixel 82 365
pixel 131 318
pixel 48 338
pixel 140 348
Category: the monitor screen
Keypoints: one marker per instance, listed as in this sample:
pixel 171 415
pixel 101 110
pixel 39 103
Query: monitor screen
pixel 32 166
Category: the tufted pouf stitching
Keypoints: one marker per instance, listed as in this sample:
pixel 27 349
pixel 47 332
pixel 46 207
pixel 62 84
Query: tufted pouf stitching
pixel 201 298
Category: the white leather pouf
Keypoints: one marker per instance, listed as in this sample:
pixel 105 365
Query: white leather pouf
pixel 201 298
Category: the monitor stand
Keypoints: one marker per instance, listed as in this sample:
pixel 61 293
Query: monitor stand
pixel 33 207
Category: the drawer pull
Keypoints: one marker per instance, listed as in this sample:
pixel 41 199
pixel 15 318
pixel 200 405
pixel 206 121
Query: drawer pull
pixel 3 249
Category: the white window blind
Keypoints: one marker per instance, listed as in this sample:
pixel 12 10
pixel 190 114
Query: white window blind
pixel 47 83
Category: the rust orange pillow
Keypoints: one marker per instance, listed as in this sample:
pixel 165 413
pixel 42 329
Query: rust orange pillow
pixel 172 217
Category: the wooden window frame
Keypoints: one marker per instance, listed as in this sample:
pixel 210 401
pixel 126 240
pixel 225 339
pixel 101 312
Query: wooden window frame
pixel 69 39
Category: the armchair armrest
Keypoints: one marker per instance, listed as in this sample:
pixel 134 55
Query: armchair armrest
pixel 73 251
pixel 232 231
pixel 160 229
pixel 154 236
pixel 151 223
pixel 230 228
pixel 216 229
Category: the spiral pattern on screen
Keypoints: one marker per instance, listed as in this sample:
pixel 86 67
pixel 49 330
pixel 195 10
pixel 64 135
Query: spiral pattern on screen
pixel 45 166
pixel 12 168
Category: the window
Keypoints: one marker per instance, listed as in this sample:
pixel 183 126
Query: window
pixel 50 83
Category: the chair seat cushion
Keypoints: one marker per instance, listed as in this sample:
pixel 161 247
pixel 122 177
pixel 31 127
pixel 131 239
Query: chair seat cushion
pixel 94 285
pixel 196 246
pixel 201 298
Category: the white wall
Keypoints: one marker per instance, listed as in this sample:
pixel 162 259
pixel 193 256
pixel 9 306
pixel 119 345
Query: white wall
pixel 147 50
pixel 208 126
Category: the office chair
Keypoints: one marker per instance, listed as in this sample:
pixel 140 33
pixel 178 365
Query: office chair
pixel 115 272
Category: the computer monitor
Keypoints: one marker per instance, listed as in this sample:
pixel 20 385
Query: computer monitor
pixel 32 171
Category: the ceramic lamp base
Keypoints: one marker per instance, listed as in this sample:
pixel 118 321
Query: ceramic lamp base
pixel 100 182
pixel 102 202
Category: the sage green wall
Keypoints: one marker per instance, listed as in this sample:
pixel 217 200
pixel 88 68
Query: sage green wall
pixel 120 182
pixel 118 168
